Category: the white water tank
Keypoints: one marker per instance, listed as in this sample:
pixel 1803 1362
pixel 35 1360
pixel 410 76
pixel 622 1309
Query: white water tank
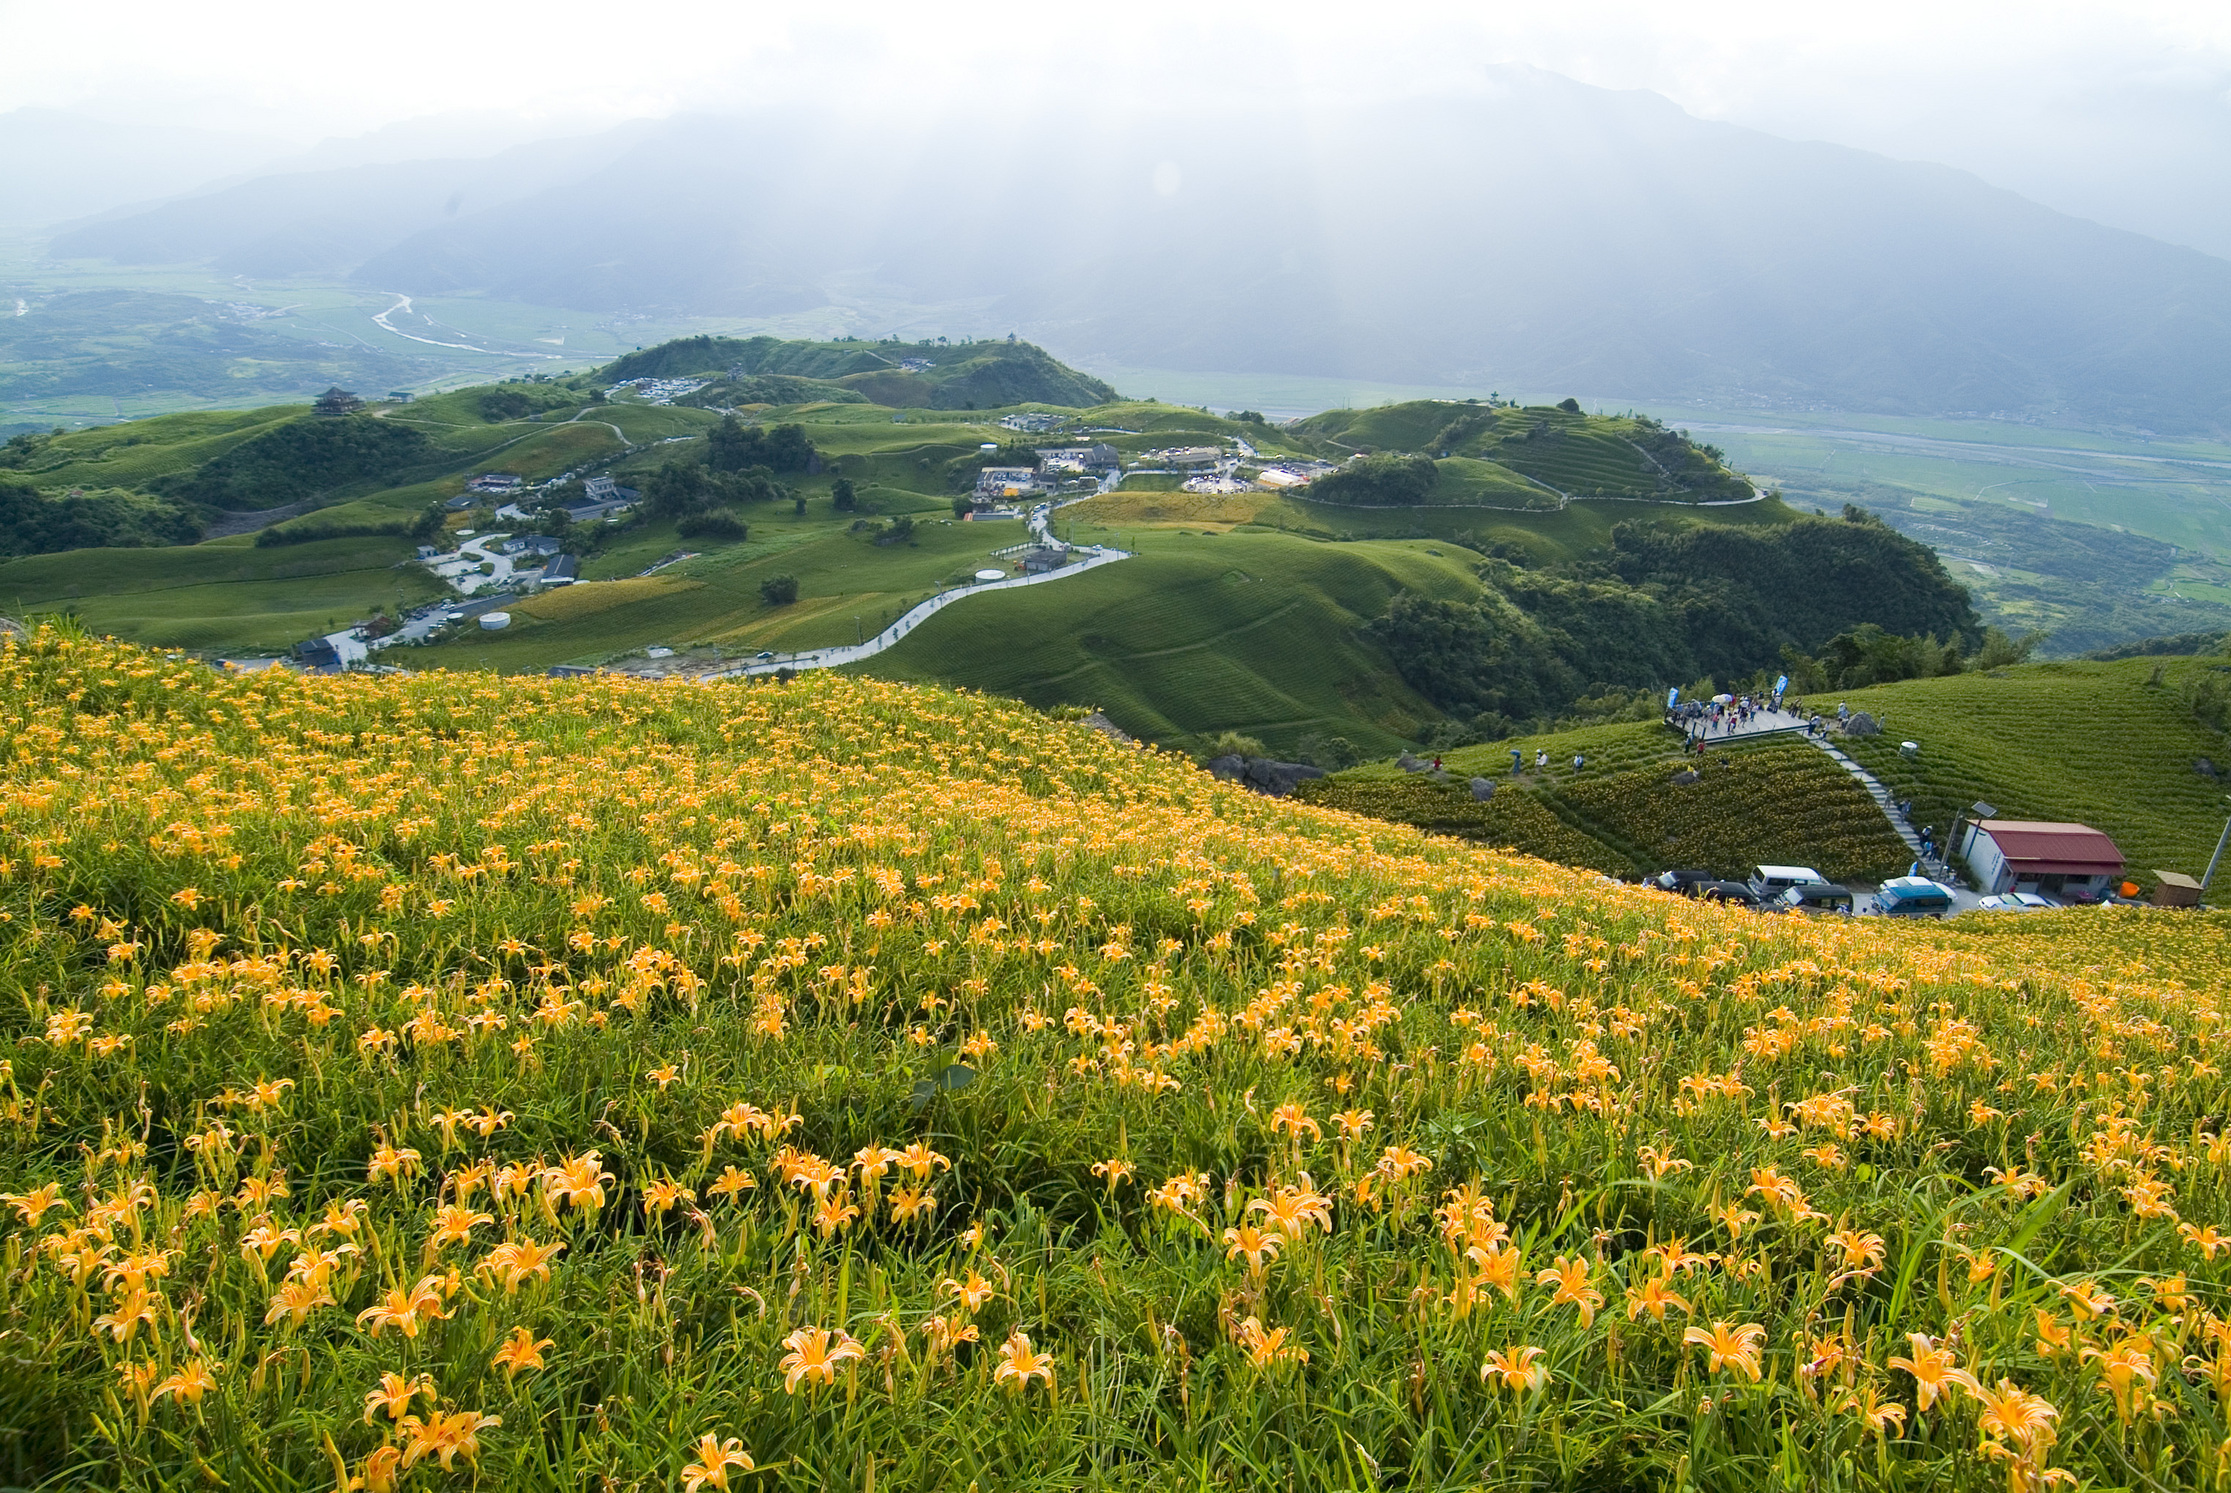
pixel 991 575
pixel 495 621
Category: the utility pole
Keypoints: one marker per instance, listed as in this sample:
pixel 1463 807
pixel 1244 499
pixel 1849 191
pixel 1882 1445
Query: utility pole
pixel 2217 858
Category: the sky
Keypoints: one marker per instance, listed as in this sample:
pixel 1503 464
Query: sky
pixel 2117 112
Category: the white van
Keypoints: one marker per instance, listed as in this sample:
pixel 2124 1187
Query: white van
pixel 1771 881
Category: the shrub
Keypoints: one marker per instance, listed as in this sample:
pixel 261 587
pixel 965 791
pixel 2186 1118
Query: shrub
pixel 714 525
pixel 1378 482
pixel 779 590
pixel 1234 744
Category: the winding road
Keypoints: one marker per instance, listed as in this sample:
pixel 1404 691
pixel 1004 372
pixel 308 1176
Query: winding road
pixel 852 653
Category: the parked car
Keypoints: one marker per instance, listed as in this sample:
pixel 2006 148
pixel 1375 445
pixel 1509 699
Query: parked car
pixel 2015 902
pixel 1772 881
pixel 1735 892
pixel 1913 897
pixel 1682 880
pixel 766 653
pixel 1814 896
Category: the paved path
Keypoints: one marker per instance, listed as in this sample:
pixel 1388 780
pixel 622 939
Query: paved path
pixel 1761 723
pixel 1933 866
pixel 852 653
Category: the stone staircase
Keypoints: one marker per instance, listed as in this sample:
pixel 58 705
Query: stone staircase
pixel 1933 866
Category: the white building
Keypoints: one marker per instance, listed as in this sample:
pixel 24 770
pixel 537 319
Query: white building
pixel 2058 860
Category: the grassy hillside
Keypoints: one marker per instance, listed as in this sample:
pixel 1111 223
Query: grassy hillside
pixel 1577 454
pixel 976 375
pixel 625 1085
pixel 227 595
pixel 2099 743
pixel 1201 633
pixel 1773 803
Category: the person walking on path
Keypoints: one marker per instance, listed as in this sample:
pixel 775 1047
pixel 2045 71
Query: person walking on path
pixel 1516 759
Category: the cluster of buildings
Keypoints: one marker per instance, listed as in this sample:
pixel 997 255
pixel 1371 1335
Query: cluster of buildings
pixel 658 390
pixel 995 485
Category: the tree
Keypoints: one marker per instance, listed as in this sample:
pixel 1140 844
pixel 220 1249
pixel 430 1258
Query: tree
pixel 732 446
pixel 337 401
pixel 779 590
pixel 963 506
pixel 676 490
pixel 1379 481
pixel 843 496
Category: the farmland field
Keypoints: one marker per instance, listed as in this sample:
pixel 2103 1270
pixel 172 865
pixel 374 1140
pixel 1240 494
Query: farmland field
pixel 2098 743
pixel 526 1083
pixel 1776 802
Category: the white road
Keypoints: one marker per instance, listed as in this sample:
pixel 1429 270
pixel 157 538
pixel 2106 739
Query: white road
pixel 834 658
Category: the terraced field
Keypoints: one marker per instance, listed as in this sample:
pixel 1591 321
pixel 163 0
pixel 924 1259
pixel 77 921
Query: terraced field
pixel 1775 802
pixel 2098 743
pixel 1575 454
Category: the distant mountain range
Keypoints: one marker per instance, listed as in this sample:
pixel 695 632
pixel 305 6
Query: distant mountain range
pixel 1543 237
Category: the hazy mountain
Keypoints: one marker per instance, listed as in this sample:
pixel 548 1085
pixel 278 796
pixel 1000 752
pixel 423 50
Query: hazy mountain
pixel 57 164
pixel 1541 236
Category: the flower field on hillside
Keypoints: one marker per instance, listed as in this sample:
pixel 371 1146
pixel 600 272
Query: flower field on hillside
pixel 1778 802
pixel 461 1082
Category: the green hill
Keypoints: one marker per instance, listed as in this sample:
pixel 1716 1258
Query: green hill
pixel 967 376
pixel 2112 745
pixel 1255 632
pixel 1772 803
pixel 1563 450
pixel 2109 744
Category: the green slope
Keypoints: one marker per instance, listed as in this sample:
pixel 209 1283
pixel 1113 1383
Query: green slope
pixel 1772 802
pixel 1581 455
pixel 2098 743
pixel 976 375
pixel 1250 631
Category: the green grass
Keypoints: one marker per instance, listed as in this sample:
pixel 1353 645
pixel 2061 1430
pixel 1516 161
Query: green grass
pixel 1578 454
pixel 1770 802
pixel 1549 537
pixel 849 587
pixel 1250 631
pixel 134 453
pixel 221 596
pixel 2094 743
pixel 372 984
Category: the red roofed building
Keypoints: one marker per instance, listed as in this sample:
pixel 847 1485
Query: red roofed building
pixel 2064 860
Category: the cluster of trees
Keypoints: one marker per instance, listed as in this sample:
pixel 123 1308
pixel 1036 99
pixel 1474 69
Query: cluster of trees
pixel 300 459
pixel 516 402
pixel 733 446
pixel 18 450
pixel 37 523
pixel 739 467
pixel 1379 482
pixel 1835 602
